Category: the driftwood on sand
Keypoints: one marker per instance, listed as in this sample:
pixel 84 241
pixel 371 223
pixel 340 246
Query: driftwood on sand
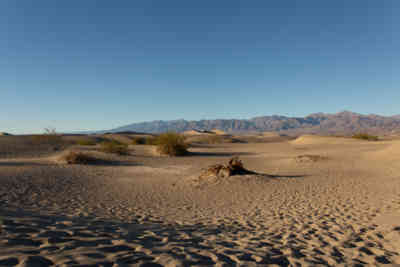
pixel 234 167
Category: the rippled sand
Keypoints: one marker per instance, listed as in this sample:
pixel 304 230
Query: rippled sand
pixel 329 201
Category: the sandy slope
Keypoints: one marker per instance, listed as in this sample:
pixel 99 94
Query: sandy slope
pixel 322 140
pixel 341 208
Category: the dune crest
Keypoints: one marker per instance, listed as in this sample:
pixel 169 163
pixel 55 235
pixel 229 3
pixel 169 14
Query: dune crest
pixel 309 139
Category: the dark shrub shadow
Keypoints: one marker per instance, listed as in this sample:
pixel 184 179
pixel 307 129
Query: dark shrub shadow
pixel 218 154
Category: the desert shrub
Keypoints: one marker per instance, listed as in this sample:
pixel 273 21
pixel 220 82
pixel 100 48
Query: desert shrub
pixel 86 142
pixel 79 158
pixel 114 147
pixel 139 141
pixel 365 136
pixel 151 140
pixel 171 144
pixel 49 138
pixel 45 139
pixel 310 158
pixel 50 131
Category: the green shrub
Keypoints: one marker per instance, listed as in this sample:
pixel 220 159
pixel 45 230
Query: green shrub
pixel 86 142
pixel 114 147
pixel 171 144
pixel 365 136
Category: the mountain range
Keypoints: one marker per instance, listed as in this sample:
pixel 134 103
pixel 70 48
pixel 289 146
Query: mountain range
pixel 344 122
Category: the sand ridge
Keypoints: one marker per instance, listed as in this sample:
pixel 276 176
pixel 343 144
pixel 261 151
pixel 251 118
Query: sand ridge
pixel 315 140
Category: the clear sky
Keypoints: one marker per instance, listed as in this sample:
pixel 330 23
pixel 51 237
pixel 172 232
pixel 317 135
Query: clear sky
pixel 90 65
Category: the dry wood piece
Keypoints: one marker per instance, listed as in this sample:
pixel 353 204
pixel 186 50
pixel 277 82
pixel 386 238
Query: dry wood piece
pixel 234 167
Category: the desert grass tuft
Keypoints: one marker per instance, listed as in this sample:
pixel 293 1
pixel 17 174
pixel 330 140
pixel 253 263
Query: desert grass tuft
pixel 80 158
pixel 86 142
pixel 49 138
pixel 171 144
pixel 114 147
pixel 365 136
pixel 151 141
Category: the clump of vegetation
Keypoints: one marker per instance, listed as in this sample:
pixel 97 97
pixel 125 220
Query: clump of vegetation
pixel 79 158
pixel 46 139
pixel 50 138
pixel 310 158
pixel 365 136
pixel 139 141
pixel 86 142
pixel 172 144
pixel 114 147
pixel 151 140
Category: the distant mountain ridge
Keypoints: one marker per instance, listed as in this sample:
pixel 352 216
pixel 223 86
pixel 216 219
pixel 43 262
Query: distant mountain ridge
pixel 344 122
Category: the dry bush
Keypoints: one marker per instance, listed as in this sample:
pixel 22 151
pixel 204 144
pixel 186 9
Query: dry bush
pixel 171 144
pixel 151 140
pixel 217 170
pixel 148 140
pixel 46 139
pixel 310 158
pixel 139 141
pixel 365 136
pixel 86 142
pixel 49 138
pixel 80 158
pixel 114 147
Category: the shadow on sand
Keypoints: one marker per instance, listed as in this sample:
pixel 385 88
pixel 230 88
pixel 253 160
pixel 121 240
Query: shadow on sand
pixel 97 163
pixel 219 154
pixel 21 163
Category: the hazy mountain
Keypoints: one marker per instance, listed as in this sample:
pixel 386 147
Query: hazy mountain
pixel 345 122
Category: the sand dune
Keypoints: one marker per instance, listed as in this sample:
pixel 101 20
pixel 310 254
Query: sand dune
pixel 270 134
pixel 197 132
pixel 219 132
pixel 205 133
pixel 157 211
pixel 122 138
pixel 318 140
pixel 390 151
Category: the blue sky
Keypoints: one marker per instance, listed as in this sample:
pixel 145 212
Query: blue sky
pixel 87 65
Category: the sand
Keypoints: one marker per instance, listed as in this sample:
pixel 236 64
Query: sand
pixel 337 206
pixel 322 140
